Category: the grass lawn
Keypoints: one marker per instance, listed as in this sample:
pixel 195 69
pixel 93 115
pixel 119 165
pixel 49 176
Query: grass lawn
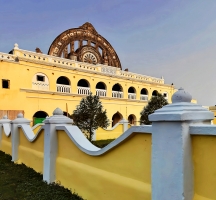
pixel 23 183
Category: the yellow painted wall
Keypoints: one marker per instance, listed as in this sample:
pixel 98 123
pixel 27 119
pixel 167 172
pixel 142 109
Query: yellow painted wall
pixel 21 73
pixel 5 143
pixel 122 173
pixel 32 153
pixel 103 134
pixel 204 160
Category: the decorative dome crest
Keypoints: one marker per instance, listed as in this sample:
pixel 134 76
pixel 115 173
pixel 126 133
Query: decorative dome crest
pixel 181 96
pixel 88 26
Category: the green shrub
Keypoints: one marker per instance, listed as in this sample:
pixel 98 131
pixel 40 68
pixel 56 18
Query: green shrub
pixel 102 143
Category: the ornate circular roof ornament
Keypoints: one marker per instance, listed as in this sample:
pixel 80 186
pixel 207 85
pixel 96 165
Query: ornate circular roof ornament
pixel 72 44
pixel 89 58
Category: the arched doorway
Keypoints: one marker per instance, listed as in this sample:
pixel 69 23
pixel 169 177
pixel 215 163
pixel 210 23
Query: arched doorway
pixel 116 118
pixel 131 93
pixel 155 93
pixel 101 89
pixel 144 94
pixel 63 84
pixel 132 119
pixel 39 116
pixel 117 91
pixel 83 87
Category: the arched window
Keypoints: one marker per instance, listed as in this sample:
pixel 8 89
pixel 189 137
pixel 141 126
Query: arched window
pixel 144 91
pixel 39 116
pixel 117 87
pixel 63 80
pixel 165 95
pixel 144 94
pixel 131 93
pixel 83 83
pixel 83 87
pixel 63 84
pixel 117 91
pixel 101 89
pixel 40 82
pixel 101 85
pixel 116 118
pixel 132 119
pixel 155 93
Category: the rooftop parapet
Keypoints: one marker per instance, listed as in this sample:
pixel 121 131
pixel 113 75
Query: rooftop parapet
pixel 30 56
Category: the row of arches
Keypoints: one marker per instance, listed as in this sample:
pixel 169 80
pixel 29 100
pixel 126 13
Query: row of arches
pixel 102 86
pixel 40 116
pixel 63 84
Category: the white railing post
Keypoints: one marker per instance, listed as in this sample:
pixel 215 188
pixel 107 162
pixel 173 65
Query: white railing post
pixel 131 96
pixel 15 134
pixel 4 124
pixel 117 94
pixel 83 90
pixel 143 97
pixel 172 166
pixel 63 88
pixel 100 92
pixel 51 143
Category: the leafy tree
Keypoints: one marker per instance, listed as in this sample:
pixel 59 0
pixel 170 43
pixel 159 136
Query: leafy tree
pixel 89 115
pixel 156 102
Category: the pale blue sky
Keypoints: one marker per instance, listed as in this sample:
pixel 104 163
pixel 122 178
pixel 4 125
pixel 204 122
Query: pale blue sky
pixel 175 39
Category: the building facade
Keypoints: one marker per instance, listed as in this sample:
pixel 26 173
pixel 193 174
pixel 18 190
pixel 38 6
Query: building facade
pixel 79 61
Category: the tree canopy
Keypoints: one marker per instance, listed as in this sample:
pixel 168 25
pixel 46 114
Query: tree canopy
pixel 89 115
pixel 156 102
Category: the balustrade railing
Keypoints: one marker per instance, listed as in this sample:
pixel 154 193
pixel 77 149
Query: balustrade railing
pixel 131 96
pixel 100 92
pixel 144 97
pixel 83 90
pixel 63 88
pixel 117 94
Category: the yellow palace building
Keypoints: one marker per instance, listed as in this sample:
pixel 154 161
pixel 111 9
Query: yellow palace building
pixel 79 61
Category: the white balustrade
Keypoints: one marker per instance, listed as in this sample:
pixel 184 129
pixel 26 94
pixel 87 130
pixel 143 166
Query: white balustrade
pixel 144 97
pixel 131 96
pixel 63 62
pixel 117 94
pixel 100 92
pixel 5 56
pixel 63 88
pixel 83 90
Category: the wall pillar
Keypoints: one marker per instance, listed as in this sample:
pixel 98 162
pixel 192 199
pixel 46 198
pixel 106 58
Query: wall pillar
pixel 16 135
pixel 51 143
pixel 172 166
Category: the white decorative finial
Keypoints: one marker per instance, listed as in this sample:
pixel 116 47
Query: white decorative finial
pixel 181 96
pixel 5 117
pixel 16 46
pixel 162 77
pixel 57 111
pixel 20 115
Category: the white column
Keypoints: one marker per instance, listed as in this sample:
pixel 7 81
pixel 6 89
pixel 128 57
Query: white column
pixel 125 124
pixel 51 143
pixel 172 166
pixel 15 134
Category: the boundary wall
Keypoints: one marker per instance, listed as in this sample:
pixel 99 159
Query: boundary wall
pixel 172 159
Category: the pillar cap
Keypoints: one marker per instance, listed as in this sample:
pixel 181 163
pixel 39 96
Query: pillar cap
pixel 58 118
pixel 181 109
pixel 4 120
pixel 16 46
pixel 20 120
